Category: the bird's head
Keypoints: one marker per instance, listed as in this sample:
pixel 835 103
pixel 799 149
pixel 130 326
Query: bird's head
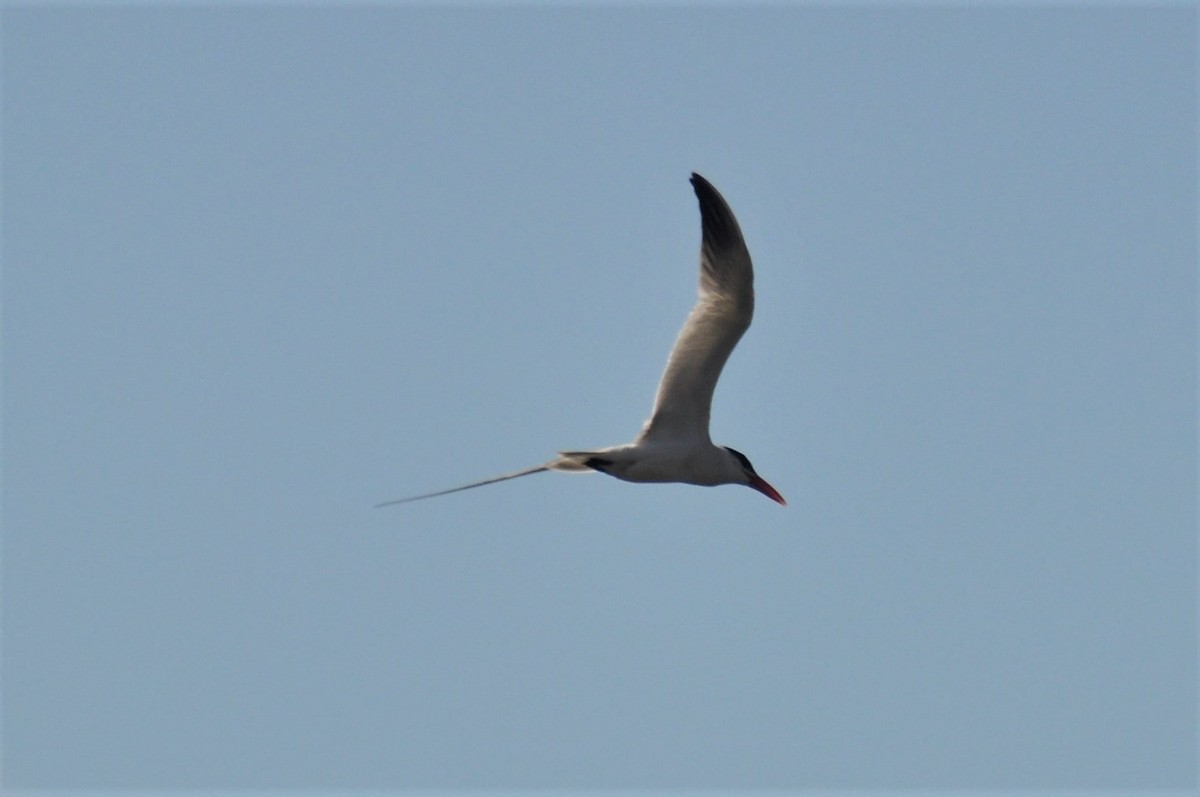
pixel 751 479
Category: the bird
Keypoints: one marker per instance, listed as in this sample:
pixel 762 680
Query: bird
pixel 674 443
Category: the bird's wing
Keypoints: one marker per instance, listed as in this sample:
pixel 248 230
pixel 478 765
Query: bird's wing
pixel 715 325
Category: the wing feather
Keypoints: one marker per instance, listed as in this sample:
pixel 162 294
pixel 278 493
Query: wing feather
pixel 712 330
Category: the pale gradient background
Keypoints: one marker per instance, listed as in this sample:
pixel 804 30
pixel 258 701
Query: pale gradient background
pixel 266 266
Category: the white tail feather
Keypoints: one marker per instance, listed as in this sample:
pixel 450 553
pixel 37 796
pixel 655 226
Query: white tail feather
pixel 565 462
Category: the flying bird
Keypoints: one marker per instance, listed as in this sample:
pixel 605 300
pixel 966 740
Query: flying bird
pixel 674 445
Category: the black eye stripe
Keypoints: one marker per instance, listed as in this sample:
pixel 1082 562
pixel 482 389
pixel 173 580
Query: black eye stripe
pixel 741 458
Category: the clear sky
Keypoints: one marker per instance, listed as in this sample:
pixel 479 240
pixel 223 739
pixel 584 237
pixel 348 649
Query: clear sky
pixel 266 266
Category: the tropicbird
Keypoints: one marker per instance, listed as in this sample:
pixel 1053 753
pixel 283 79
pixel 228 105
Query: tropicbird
pixel 674 444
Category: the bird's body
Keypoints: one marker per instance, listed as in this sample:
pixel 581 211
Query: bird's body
pixel 660 461
pixel 674 444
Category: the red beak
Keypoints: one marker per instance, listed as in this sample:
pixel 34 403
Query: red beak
pixel 760 484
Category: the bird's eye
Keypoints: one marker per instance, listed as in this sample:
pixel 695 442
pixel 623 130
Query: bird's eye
pixel 741 458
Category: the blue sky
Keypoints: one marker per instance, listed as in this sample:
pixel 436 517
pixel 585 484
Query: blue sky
pixel 264 267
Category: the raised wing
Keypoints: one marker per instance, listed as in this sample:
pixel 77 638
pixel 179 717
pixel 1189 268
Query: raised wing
pixel 715 325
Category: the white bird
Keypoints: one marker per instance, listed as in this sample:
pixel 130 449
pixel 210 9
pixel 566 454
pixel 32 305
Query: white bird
pixel 674 445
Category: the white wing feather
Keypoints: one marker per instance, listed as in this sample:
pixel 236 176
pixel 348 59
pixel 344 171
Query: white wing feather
pixel 715 325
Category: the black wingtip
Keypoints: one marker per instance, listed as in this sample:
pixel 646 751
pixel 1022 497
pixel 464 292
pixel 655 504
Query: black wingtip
pixel 720 227
pixel 706 192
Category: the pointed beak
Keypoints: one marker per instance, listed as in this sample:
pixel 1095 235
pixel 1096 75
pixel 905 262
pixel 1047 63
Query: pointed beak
pixel 760 484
